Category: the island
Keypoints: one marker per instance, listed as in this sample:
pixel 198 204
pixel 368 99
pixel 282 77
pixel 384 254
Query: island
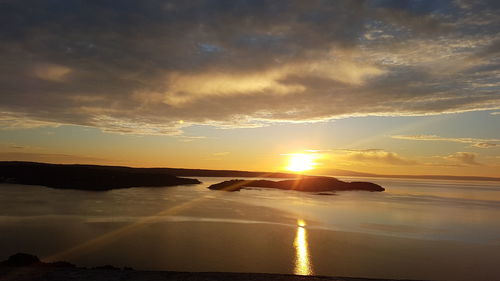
pixel 307 184
pixel 86 177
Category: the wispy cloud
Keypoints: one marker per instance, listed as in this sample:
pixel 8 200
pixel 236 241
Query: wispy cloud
pixel 481 143
pixel 377 156
pixel 217 156
pixel 9 120
pixel 53 158
pixel 223 153
pixel 184 138
pixel 13 146
pixel 465 158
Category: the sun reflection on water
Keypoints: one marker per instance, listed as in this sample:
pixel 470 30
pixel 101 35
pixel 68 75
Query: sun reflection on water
pixel 302 259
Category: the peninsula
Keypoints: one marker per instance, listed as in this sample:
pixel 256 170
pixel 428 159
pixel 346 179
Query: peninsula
pixel 86 177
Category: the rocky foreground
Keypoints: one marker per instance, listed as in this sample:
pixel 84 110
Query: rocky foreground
pixel 25 267
pixel 308 184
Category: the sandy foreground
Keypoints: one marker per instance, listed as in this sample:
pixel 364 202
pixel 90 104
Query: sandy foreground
pixel 84 274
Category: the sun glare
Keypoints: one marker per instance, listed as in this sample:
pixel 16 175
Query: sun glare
pixel 300 162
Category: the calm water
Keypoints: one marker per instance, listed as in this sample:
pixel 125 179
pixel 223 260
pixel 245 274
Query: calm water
pixel 420 229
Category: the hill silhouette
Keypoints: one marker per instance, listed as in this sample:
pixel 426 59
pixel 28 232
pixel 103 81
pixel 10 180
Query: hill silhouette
pixel 86 177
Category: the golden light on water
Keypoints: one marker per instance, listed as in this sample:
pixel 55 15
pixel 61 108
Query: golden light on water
pixel 302 258
pixel 300 162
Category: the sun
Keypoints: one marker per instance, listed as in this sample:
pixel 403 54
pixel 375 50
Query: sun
pixel 301 162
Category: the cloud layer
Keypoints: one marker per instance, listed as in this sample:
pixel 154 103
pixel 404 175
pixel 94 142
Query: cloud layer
pixel 481 143
pixel 153 67
pixel 376 156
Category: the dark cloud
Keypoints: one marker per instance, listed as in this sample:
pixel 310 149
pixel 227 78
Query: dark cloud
pixel 143 66
pixel 492 49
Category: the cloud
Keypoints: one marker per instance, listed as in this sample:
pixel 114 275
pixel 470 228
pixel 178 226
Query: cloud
pixel 49 72
pixel 10 120
pixel 15 147
pixel 53 158
pixel 141 67
pixel 377 156
pixel 490 50
pixel 184 138
pixel 481 143
pixel 466 158
pixel 217 156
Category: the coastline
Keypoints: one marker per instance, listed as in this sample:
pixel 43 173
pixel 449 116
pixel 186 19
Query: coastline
pixel 27 267
pixel 36 273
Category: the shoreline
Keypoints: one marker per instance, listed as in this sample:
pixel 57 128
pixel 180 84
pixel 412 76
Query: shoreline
pixel 27 267
pixel 41 273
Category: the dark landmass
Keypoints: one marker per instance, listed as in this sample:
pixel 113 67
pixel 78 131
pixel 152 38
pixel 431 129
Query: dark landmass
pixel 23 259
pixel 330 172
pixel 96 177
pixel 309 184
pixel 440 177
pixel 336 172
pixel 25 267
pixel 224 173
pixel 86 177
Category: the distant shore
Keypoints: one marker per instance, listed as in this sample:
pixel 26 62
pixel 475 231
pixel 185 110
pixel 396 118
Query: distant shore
pixel 103 178
pixel 183 172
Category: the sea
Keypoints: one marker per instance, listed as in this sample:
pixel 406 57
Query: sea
pixel 416 229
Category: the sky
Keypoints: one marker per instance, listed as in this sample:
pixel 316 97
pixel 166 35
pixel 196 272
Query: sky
pixel 387 87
